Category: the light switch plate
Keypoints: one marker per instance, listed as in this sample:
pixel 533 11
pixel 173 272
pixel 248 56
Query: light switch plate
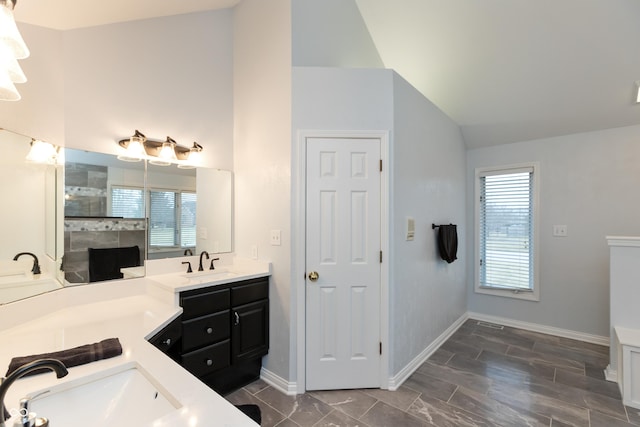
pixel 254 252
pixel 411 228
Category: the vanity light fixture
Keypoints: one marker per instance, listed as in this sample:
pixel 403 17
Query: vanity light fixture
pixel 159 153
pixel 12 48
pixel 637 91
pixel 42 152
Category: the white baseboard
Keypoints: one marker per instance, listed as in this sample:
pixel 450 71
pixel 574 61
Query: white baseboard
pixel 397 380
pixel 611 374
pixel 279 383
pixel 550 330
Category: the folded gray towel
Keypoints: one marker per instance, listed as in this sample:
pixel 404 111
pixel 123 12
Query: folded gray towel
pixel 81 355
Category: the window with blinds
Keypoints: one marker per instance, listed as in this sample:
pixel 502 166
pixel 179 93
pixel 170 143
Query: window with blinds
pixel 127 202
pixel 172 218
pixel 172 214
pixel 506 224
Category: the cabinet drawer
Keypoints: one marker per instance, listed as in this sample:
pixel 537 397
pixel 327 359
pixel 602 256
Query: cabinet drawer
pixel 199 303
pixel 250 291
pixel 208 359
pixel 205 330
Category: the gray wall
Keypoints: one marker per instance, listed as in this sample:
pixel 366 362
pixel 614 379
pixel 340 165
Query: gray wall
pixel 589 182
pixel 427 294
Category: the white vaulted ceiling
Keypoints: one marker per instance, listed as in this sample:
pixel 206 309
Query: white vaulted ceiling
pixel 70 14
pixel 504 70
pixel 514 70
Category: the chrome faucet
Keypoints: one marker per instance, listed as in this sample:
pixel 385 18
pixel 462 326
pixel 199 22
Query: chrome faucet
pixel 36 264
pixel 200 268
pixel 25 419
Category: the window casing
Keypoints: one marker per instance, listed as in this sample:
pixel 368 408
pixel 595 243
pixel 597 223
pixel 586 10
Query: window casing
pixel 506 201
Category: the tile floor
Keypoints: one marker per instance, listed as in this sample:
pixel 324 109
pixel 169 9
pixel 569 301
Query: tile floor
pixel 481 376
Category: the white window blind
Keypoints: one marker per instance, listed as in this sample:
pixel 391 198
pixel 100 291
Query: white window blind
pixel 187 219
pixel 162 218
pixel 127 202
pixel 506 222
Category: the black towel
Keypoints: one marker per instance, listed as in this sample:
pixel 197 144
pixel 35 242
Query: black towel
pixel 87 353
pixel 105 264
pixel 448 242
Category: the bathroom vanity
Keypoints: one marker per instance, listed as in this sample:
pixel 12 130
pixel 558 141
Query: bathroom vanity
pixel 222 334
pixel 191 318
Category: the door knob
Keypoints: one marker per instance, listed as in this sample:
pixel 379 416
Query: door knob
pixel 313 276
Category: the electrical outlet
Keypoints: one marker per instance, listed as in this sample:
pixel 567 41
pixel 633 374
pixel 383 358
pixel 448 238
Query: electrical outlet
pixel 275 237
pixel 254 252
pixel 560 230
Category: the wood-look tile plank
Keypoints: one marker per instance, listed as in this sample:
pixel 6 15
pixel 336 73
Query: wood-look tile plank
pixel 270 416
pixel 454 376
pixel 458 347
pixel 541 404
pixel 546 359
pixel 492 371
pixel 633 414
pixel 441 356
pixel 383 415
pixel 481 342
pixel 590 358
pixel 430 386
pixel 504 337
pixel 339 419
pixel 600 420
pixel 402 398
pixel 303 409
pixel 515 364
pixel 584 382
pixel 352 402
pixel 497 413
pixel 441 414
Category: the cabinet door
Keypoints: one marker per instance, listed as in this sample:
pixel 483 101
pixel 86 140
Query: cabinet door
pixel 250 331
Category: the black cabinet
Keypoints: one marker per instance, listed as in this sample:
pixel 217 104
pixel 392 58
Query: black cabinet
pixel 222 334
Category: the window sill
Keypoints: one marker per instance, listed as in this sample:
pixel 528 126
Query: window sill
pixel 508 293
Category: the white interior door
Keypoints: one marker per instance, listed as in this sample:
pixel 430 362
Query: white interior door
pixel 343 247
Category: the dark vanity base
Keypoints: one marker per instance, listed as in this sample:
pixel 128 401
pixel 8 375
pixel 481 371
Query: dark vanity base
pixel 227 380
pixel 222 334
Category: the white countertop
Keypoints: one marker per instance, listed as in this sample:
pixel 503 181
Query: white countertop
pixel 131 312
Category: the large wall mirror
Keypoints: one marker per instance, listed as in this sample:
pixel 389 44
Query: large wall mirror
pixel 122 213
pixel 28 220
pixel 119 214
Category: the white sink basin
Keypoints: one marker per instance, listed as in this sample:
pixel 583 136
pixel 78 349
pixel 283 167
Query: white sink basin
pixel 217 274
pixel 127 397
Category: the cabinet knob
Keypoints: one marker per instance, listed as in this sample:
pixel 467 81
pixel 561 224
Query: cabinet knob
pixel 167 341
pixel 209 330
pixel 209 362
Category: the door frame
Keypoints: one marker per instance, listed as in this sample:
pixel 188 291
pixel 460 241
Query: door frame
pixel 299 242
